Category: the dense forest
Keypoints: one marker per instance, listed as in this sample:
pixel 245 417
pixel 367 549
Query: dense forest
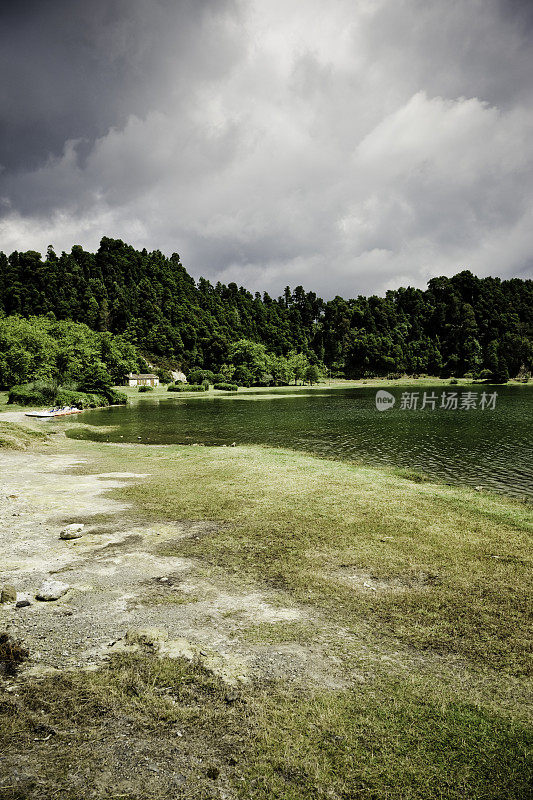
pixel 458 326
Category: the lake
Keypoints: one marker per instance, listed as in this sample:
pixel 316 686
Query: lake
pixel 491 447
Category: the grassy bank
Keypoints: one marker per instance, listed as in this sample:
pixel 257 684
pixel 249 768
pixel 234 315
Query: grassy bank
pixel 416 593
pixel 19 437
pixel 160 392
pixel 435 567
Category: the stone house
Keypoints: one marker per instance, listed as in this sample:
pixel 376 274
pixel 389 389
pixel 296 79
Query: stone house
pixel 149 379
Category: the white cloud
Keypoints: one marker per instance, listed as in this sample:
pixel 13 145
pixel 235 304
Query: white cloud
pixel 326 151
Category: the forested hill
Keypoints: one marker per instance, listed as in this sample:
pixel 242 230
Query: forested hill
pixel 457 325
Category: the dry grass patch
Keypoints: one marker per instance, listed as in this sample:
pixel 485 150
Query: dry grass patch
pixel 144 729
pixel 295 520
pixel 16 437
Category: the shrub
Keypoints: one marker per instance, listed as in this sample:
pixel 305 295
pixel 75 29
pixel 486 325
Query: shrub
pixel 524 374
pixel 453 381
pixel 186 387
pixel 37 393
pixel 69 397
pixel 164 376
pixel 485 375
pixel 226 387
pixel 115 397
pixel 146 389
pixel 198 376
pixel 500 375
pixel 40 393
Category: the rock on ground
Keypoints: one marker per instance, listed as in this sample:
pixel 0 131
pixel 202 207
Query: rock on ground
pixel 74 531
pixel 8 594
pixel 52 590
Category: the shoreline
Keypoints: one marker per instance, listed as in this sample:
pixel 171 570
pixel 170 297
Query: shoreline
pixel 161 391
pixel 286 579
pixel 61 425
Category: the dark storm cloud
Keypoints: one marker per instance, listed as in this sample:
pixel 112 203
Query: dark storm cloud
pixel 72 70
pixel 349 146
pixel 519 12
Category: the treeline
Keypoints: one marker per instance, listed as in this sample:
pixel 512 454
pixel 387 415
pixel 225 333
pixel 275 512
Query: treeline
pixel 458 326
pixel 63 352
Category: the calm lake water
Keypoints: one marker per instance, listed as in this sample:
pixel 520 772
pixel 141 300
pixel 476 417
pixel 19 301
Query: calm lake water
pixel 490 447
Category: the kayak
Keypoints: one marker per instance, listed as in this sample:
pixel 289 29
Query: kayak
pixel 54 412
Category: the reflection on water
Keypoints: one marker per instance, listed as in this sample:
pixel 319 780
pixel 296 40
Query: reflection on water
pixel 492 448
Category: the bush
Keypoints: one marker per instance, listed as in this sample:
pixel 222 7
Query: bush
pixel 226 387
pixel 37 393
pixel 485 375
pixel 312 374
pixel 186 387
pixel 197 376
pixel 41 393
pixel 500 375
pixel 68 397
pixel 164 376
pixel 453 381
pixel 145 389
pixel 116 398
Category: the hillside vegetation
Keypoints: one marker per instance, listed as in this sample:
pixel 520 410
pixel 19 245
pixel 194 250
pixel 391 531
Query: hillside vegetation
pixel 457 326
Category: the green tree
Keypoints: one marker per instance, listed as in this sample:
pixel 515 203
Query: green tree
pixel 297 363
pixel 312 374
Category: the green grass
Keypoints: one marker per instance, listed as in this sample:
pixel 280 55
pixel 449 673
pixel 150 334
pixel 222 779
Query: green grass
pixel 4 406
pixel 161 392
pixel 448 569
pixel 417 592
pixel 382 741
pixel 279 632
pixel 17 437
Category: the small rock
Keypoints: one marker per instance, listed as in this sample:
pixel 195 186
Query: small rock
pixel 73 531
pixel 8 594
pixel 233 444
pixel 163 580
pixel 52 590
pixel 479 488
pixel 23 604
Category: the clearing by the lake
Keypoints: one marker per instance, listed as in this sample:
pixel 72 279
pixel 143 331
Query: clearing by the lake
pixel 257 623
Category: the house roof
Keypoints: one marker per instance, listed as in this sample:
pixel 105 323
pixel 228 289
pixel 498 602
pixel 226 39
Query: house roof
pixel 139 375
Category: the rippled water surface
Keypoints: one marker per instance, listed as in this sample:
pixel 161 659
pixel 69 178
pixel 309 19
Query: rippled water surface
pixel 492 448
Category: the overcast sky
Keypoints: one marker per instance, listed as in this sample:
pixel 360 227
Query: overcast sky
pixel 350 146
